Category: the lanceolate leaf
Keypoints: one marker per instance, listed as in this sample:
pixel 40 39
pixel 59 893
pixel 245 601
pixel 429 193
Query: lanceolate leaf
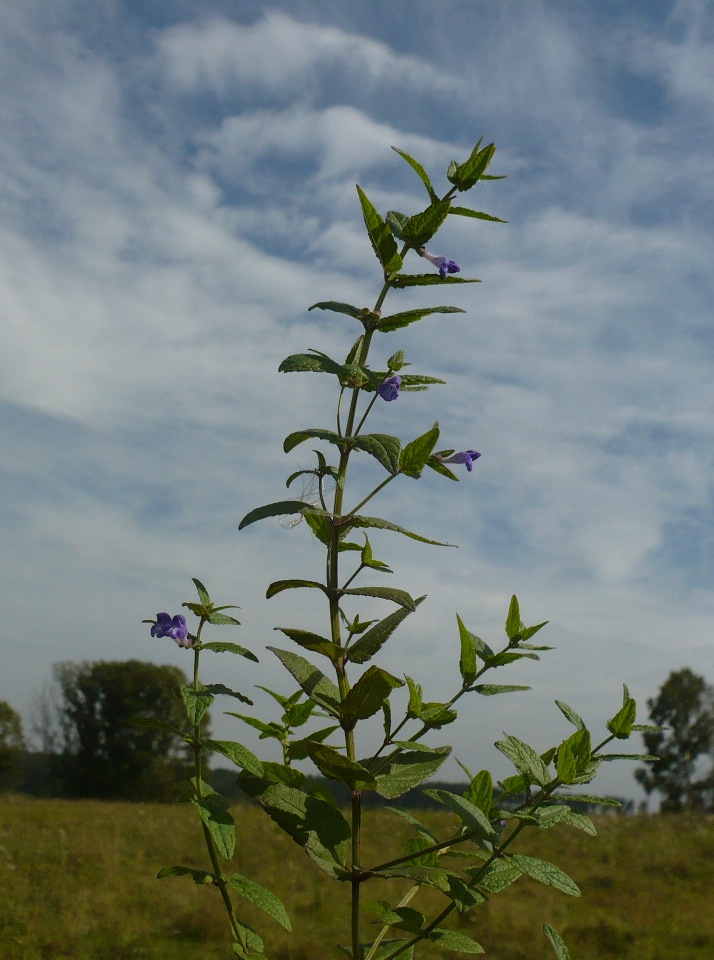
pixel 279 509
pixel 420 172
pixel 219 646
pixel 525 759
pixel 386 525
pixel 262 898
pixel 399 320
pixel 491 689
pixel 198 876
pixel 279 585
pixel 467 661
pixel 335 766
pixel 300 436
pixel 368 694
pixel 470 815
pixel 621 724
pixel 316 685
pixel 570 714
pixel 315 825
pixel 420 228
pixel 236 752
pixel 311 641
pixel 357 312
pixel 545 872
pixel 383 593
pixel 415 455
pixel 196 702
pixel 220 823
pixel 466 212
pixel 427 280
pixel 407 770
pixel 383 242
pixel 381 446
pixel 374 639
pixel 458 942
pixel 561 951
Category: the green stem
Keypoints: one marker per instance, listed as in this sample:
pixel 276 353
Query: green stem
pixel 374 493
pixel 220 882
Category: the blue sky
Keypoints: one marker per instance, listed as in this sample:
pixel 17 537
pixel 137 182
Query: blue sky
pixel 177 187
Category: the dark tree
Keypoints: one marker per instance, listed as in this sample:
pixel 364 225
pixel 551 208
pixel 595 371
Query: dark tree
pixel 684 708
pixel 12 745
pixel 104 756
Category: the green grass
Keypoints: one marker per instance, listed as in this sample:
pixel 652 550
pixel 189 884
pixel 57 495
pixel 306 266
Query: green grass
pixel 78 883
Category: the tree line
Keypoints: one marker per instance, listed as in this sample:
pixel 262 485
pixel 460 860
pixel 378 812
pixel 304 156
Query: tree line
pixel 86 745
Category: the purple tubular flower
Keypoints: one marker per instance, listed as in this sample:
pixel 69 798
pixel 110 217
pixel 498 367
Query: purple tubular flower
pixel 389 389
pixel 445 266
pixel 466 456
pixel 174 627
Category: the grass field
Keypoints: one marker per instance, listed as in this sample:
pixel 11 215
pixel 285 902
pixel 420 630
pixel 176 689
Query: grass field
pixel 78 881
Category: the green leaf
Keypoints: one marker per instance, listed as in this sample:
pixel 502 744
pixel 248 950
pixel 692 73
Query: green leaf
pixel 419 229
pixel 374 639
pixel 222 619
pixel 196 703
pixel 580 822
pixel 621 724
pixel 262 898
pixel 220 823
pixel 545 872
pixel 497 876
pixel 587 798
pixel 202 592
pixel 396 222
pixel 405 918
pixel 367 695
pixel 451 940
pixel 399 320
pixel 549 816
pixel 415 455
pixel 427 280
pixel 279 509
pixel 316 685
pixel 467 661
pixel 513 620
pixel 383 593
pixel 491 689
pixel 561 951
pixel 420 172
pixel 386 525
pixel 315 825
pixel 311 641
pixel 469 173
pixel 470 815
pixel 648 757
pixel 477 215
pixel 335 766
pixel 279 585
pixel 566 768
pixel 407 770
pixel 383 242
pixel 525 759
pixel 415 698
pixel 297 749
pixel 271 730
pixel 199 876
pixel 480 791
pixel 570 714
pixel 381 446
pixel 254 945
pixel 219 646
pixel 357 312
pixel 237 753
pixel 293 440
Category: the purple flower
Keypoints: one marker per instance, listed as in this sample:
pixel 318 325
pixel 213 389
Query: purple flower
pixel 389 389
pixel 466 456
pixel 174 627
pixel 445 266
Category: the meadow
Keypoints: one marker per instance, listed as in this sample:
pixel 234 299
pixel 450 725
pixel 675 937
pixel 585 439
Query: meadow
pixel 78 883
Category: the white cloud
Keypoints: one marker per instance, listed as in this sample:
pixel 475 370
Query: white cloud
pixel 278 54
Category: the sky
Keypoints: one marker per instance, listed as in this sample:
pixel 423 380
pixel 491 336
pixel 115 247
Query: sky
pixel 177 187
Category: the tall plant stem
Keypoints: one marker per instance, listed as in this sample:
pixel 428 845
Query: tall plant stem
pixel 210 845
